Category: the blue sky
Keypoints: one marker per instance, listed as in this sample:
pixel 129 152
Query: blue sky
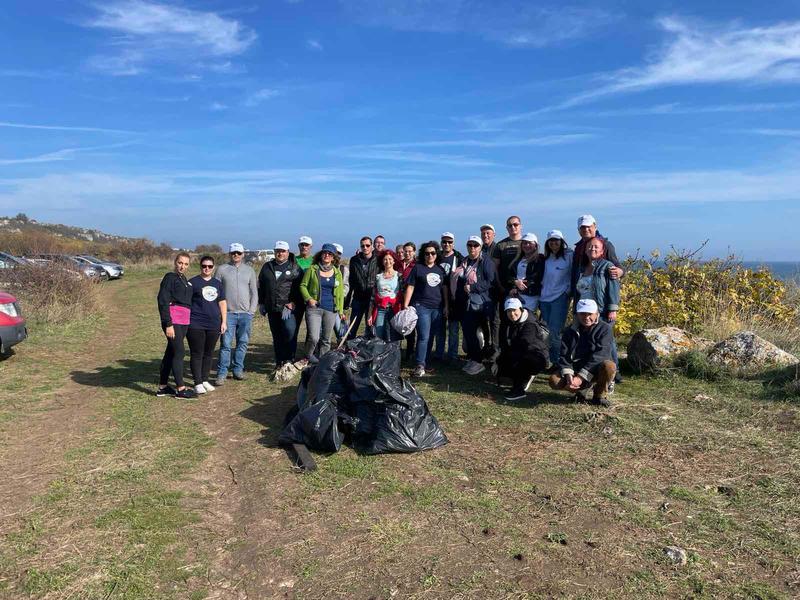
pixel 215 121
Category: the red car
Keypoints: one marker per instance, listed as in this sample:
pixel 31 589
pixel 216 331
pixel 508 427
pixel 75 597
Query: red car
pixel 12 323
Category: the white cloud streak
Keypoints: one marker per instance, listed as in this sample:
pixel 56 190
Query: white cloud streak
pixel 315 45
pixel 547 140
pixel 507 22
pixel 63 128
pixel 261 96
pixel 158 33
pixel 446 160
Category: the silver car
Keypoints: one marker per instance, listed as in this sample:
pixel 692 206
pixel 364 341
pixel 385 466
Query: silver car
pixel 114 270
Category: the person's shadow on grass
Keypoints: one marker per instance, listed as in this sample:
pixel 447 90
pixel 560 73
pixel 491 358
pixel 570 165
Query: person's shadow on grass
pixel 125 373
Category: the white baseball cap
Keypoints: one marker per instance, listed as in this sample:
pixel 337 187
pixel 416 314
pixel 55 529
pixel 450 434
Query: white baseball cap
pixel 512 303
pixel 447 234
pixel 339 248
pixel 487 226
pixel 586 306
pixel 476 239
pixel 555 234
pixel 281 245
pixel 586 220
pixel 236 247
pixel 304 239
pixel 530 237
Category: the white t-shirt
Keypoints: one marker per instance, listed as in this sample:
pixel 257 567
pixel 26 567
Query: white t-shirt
pixel 557 272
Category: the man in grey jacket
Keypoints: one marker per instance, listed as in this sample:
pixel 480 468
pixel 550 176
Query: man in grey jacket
pixel 241 291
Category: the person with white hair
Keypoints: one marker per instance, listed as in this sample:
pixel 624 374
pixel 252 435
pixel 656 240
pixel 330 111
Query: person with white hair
pixel 523 350
pixel 555 293
pixel 585 360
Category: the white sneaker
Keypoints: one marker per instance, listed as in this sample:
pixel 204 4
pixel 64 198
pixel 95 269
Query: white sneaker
pixel 419 371
pixel 473 368
pixel 208 386
pixel 199 389
pixel 468 366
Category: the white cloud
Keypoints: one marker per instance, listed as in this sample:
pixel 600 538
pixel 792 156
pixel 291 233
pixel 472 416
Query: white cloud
pixel 159 33
pixel 218 106
pixel 62 128
pixel 314 45
pixel 260 96
pixel 792 133
pixel 504 21
pixel 447 160
pixel 547 140
pixel 58 155
pixel 676 108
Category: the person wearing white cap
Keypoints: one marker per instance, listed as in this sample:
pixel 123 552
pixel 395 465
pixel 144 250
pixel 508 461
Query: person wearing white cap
pixel 585 359
pixel 241 293
pixel 278 299
pixel 449 259
pixel 523 351
pixel 528 271
pixel 587 229
pixel 470 286
pixel 304 258
pixel 554 301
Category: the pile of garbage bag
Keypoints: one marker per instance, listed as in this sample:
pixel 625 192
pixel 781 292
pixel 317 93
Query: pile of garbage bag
pixel 356 396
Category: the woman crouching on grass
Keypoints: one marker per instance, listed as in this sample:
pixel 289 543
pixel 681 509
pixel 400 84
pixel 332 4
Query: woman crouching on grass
pixel 208 321
pixel 174 307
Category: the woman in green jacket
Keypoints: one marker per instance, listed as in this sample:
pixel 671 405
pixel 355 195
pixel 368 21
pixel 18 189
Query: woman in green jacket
pixel 322 289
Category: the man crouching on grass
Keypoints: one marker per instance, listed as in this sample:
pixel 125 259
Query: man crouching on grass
pixel 585 359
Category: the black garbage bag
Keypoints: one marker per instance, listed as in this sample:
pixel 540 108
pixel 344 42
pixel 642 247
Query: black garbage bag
pixel 316 427
pixel 403 422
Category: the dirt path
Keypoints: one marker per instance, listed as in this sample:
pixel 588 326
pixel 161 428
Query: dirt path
pixel 32 451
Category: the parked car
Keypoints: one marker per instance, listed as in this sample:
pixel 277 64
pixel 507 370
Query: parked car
pixel 114 270
pixel 12 323
pixel 73 264
pixel 9 261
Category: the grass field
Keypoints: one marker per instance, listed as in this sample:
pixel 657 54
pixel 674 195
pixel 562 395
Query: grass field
pixel 110 493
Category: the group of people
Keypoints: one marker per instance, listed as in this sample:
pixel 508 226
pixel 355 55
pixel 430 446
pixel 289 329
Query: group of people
pixel 510 299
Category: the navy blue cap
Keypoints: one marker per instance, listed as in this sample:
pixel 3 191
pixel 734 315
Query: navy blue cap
pixel 329 248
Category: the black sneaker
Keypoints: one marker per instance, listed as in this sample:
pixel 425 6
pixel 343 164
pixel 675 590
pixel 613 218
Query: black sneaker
pixel 516 395
pixel 617 377
pixel 185 393
pixel 167 390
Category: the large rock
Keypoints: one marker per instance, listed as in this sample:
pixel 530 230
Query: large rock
pixel 746 350
pixel 649 347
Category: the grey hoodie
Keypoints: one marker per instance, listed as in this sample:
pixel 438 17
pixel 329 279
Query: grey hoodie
pixel 241 287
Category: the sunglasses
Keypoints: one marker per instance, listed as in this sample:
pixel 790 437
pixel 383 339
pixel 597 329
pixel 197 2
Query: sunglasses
pixel 206 266
pixel 513 225
pixel 473 245
pixel 237 253
pixel 446 242
pixel 429 253
pixel 366 245
pixel 303 244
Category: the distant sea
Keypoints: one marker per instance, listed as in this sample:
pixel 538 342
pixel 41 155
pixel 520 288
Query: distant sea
pixel 787 270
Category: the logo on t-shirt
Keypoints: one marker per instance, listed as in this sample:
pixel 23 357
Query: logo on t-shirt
pixel 210 293
pixel 433 279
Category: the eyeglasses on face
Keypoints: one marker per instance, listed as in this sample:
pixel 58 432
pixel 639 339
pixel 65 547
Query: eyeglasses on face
pixel 473 245
pixel 207 266
pixel 303 244
pixel 366 245
pixel 513 225
pixel 430 253
pixel 446 242
pixel 237 253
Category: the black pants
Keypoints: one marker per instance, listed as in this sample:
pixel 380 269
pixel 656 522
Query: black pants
pixel 490 325
pixel 519 369
pixel 173 357
pixel 201 347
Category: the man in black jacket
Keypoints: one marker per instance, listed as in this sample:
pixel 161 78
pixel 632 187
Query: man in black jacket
pixel 448 259
pixel 586 355
pixel 363 269
pixel 279 298
pixel 523 350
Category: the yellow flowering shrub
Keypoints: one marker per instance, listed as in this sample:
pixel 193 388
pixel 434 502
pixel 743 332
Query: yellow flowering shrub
pixel 686 293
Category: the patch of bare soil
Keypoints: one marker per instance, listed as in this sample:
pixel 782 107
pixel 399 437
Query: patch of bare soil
pixel 32 451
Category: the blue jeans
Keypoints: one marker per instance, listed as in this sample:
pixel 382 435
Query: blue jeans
pixel 239 326
pixel 428 321
pixel 554 313
pixel 448 329
pixel 614 353
pixel 284 336
pixel 358 309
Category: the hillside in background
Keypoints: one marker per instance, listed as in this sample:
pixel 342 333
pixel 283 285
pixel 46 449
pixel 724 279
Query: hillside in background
pixel 22 224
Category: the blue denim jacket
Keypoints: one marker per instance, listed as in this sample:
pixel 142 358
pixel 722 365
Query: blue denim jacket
pixel 606 290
